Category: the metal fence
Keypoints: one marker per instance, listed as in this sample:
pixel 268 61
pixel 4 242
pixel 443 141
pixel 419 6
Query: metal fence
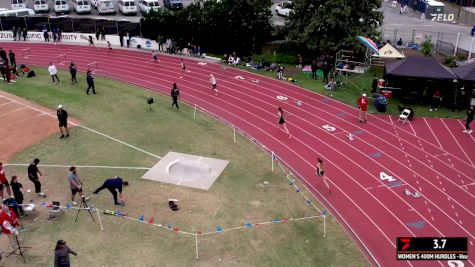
pixel 66 24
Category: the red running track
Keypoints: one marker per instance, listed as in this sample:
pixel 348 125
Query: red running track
pixel 431 156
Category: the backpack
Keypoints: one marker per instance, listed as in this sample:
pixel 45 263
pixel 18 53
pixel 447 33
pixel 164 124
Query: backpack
pixel 173 205
pixel 31 74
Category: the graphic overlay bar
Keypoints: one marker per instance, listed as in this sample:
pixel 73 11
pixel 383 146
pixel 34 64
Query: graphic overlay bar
pixel 432 248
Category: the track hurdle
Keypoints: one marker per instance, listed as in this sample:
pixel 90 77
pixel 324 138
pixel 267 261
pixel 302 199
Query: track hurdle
pixel 61 59
pixel 25 52
pixel 93 66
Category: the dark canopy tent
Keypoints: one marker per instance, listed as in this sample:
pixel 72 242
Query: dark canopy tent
pixel 419 78
pixel 466 75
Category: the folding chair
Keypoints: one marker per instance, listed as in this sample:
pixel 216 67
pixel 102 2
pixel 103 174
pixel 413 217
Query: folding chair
pixel 55 209
pixel 404 117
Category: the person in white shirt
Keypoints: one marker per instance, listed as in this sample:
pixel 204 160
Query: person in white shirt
pixel 213 84
pixel 53 72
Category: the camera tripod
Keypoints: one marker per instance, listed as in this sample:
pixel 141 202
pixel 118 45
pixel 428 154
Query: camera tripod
pixel 84 206
pixel 19 248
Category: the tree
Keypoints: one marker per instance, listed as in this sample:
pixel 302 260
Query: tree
pixel 427 46
pixel 219 26
pixel 332 24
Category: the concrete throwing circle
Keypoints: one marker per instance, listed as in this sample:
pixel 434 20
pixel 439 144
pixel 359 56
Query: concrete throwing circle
pixel 281 97
pixel 190 170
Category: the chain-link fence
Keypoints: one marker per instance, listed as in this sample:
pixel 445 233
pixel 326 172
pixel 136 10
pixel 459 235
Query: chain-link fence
pixel 82 25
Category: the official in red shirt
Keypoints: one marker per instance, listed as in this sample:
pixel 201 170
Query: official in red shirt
pixel 363 104
pixel 4 182
pixel 9 222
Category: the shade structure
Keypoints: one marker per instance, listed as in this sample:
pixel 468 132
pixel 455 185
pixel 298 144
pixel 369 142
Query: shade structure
pixel 420 67
pixel 465 73
pixel 388 51
pixel 369 44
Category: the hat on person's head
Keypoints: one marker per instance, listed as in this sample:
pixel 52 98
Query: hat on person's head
pixel 364 94
pixel 60 106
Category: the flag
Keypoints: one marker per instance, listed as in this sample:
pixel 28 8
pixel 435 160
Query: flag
pixel 150 221
pixel 142 218
pixel 276 220
pixel 219 229
pixel 68 206
pixel 324 212
pixel 169 226
pixel 43 203
pixel 117 213
pixel 248 225
pixel 274 157
pixel 176 230
pixel 309 202
pixel 285 219
pixel 297 190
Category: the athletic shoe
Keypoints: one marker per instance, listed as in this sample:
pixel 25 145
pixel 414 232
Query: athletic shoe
pixel 62 136
pixel 87 198
pixel 118 204
pixel 465 131
pixel 470 131
pixel 67 135
pixel 74 203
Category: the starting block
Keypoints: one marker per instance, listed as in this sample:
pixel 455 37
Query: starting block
pixel 414 195
pixel 25 52
pixel 61 59
pixel 92 65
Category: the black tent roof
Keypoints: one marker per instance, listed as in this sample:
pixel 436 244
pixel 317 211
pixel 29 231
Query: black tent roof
pixel 420 67
pixel 466 73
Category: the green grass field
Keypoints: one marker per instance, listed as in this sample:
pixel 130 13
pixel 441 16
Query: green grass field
pixel 238 196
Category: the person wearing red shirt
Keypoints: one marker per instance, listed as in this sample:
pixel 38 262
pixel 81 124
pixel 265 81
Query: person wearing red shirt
pixel 4 182
pixel 363 104
pixel 9 222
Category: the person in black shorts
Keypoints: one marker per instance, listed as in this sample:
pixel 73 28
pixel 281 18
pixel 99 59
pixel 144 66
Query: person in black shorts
pixel 280 113
pixel 113 185
pixel 18 193
pixel 321 173
pixel 469 119
pixel 73 70
pixel 63 121
pixel 183 67
pixel 175 96
pixel 33 176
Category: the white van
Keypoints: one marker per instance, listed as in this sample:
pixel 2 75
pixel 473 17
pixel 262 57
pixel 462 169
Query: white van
pixel 104 6
pixel 61 6
pixel 81 6
pixel 127 7
pixel 40 6
pixel 146 5
pixel 17 4
pixel 24 12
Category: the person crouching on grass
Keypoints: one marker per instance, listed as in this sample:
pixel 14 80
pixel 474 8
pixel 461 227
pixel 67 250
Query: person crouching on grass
pixel 113 185
pixel 75 184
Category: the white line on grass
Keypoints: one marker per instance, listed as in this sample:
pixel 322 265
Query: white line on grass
pixel 87 128
pixel 79 166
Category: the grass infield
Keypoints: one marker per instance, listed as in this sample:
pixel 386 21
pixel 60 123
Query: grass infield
pixel 238 196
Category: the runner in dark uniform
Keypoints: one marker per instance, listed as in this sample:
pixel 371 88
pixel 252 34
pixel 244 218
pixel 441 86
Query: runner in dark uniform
pixel 63 121
pixel 280 113
pixel 469 119
pixel 175 95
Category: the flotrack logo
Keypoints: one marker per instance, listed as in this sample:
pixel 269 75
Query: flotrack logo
pixel 443 17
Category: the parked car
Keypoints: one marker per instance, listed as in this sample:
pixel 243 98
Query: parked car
pixel 18 4
pixel 104 6
pixel 81 6
pixel 146 5
pixel 173 4
pixel 127 7
pixel 40 6
pixel 284 8
pixel 61 6
pixel 24 12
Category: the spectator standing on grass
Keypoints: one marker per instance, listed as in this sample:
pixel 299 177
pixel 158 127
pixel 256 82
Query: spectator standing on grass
pixel 25 34
pixel 75 184
pixel 45 33
pixel 33 172
pixel 98 34
pixel 14 33
pixel 326 71
pixel 6 71
pixel 4 182
pixel 61 254
pixel 121 38
pixel 11 55
pixel 73 71
pixel 63 121
pixel 17 189
pixel 114 185
pixel 469 119
pixel 103 34
pixel 53 72
pixel 19 33
pixel 90 82
pixel 363 107
pixel 3 55
pixel 160 42
pixel 472 32
pixel 175 94
pixel 313 66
